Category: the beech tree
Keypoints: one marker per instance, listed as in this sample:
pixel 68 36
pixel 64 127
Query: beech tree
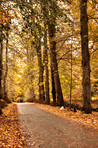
pixel 4 27
pixel 51 22
pixel 45 62
pixel 1 50
pixel 85 57
pixel 6 68
pixel 41 70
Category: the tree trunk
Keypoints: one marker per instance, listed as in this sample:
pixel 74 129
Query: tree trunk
pixel 6 70
pixel 53 86
pixel 30 74
pixel 71 78
pixel 46 14
pixel 45 61
pixel 85 57
pixel 1 50
pixel 41 70
pixel 59 95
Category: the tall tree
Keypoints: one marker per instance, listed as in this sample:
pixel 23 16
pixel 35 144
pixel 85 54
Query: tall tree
pixel 30 75
pixel 45 62
pixel 41 70
pixel 1 49
pixel 45 11
pixel 52 33
pixel 85 57
pixel 6 69
pixel 53 85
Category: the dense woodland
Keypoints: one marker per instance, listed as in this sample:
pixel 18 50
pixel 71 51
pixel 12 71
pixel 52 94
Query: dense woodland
pixel 48 51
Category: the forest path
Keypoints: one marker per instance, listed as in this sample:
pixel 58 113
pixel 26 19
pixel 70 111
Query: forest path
pixel 46 130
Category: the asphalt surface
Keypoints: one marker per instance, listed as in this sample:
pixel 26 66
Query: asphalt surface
pixel 46 130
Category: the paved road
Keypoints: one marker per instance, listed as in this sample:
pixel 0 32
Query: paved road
pixel 45 130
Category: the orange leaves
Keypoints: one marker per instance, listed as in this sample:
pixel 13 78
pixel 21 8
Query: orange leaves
pixel 10 132
pixel 3 13
pixel 4 18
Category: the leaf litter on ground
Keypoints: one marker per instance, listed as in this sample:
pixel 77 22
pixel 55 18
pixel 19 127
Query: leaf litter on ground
pixel 11 135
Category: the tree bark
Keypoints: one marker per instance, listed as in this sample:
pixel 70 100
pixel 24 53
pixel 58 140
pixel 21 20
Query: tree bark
pixel 53 86
pixel 85 57
pixel 6 70
pixel 1 50
pixel 59 95
pixel 45 11
pixel 45 61
pixel 41 70
pixel 71 79
pixel 30 74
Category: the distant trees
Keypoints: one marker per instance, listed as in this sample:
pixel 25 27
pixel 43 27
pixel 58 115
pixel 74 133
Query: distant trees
pixel 36 33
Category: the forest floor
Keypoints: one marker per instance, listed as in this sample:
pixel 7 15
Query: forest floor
pixel 11 135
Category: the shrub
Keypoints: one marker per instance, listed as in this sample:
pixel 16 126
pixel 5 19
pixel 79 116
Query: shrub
pixel 2 103
pixel 30 100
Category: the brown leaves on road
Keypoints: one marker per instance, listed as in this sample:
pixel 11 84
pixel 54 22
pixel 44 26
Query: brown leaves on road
pixel 10 132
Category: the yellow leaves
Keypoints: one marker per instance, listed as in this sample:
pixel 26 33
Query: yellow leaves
pixel 9 145
pixel 41 83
